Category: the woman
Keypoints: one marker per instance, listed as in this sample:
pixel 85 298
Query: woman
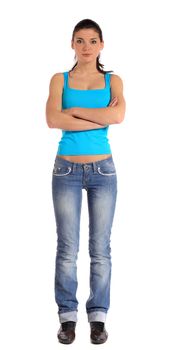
pixel 83 103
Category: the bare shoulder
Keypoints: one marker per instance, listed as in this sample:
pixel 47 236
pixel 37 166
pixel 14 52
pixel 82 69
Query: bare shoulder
pixel 54 100
pixel 116 80
pixel 56 83
pixel 116 85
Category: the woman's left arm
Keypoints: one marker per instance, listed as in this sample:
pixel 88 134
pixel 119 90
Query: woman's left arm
pixel 113 114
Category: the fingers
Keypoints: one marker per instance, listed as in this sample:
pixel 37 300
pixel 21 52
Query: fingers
pixel 113 102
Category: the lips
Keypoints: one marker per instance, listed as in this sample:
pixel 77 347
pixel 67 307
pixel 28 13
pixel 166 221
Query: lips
pixel 86 54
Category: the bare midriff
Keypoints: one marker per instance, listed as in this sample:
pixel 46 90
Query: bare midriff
pixel 85 159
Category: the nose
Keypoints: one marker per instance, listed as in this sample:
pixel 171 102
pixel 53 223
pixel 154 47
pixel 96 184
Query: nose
pixel 86 46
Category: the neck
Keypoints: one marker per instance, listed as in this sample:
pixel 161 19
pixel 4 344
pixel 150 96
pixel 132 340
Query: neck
pixel 86 68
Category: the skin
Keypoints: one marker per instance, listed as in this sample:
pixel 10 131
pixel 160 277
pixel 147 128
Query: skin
pixel 86 76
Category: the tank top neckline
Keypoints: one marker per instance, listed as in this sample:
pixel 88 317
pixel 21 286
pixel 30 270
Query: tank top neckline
pixel 68 87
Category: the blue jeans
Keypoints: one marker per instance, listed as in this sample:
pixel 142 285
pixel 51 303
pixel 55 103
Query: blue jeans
pixel 100 181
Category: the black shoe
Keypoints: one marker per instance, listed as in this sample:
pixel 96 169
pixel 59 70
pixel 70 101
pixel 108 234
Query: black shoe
pixel 66 333
pixel 98 334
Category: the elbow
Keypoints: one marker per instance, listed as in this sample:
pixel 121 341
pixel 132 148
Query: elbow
pixel 53 120
pixel 50 126
pixel 119 114
pixel 49 123
pixel 49 120
pixel 118 118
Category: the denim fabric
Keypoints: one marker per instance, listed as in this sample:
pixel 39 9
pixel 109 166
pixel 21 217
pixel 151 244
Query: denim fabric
pixel 99 179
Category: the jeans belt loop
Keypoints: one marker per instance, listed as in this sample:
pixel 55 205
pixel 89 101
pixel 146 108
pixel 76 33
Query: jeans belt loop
pixel 94 167
pixel 74 167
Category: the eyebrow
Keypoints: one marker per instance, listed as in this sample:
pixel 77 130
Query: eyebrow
pixel 82 38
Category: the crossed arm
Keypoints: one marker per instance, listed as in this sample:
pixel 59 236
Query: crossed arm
pixel 77 118
pixel 113 114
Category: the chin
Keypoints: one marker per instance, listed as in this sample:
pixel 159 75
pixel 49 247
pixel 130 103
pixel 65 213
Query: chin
pixel 87 59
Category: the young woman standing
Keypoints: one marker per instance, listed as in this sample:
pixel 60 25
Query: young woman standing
pixel 83 102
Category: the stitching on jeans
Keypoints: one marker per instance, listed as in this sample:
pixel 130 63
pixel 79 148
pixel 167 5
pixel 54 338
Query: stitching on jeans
pixel 54 172
pixel 106 174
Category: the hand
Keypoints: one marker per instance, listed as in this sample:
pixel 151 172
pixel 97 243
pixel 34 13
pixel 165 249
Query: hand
pixel 113 102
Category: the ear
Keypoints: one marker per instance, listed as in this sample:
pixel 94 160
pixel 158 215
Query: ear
pixel 102 45
pixel 71 44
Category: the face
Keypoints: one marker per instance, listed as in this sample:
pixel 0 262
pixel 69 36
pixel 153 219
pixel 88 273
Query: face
pixel 87 45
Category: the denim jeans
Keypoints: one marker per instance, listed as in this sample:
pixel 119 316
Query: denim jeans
pixel 99 179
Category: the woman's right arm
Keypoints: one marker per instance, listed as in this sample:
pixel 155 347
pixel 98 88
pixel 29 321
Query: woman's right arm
pixel 60 120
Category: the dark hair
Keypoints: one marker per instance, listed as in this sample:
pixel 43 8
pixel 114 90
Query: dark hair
pixel 86 24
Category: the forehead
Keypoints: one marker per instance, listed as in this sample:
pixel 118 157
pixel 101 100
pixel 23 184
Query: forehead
pixel 86 34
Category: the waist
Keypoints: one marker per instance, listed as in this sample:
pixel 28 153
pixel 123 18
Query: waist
pixel 94 164
pixel 85 158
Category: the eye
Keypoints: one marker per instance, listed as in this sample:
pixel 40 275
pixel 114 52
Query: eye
pixel 94 41
pixel 78 41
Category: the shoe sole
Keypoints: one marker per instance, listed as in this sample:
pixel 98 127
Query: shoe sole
pixel 65 342
pixel 98 341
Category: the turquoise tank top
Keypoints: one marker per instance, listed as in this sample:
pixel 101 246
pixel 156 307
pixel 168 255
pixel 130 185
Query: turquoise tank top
pixel 84 142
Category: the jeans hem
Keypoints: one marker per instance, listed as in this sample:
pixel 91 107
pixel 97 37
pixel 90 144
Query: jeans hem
pixel 68 316
pixel 98 316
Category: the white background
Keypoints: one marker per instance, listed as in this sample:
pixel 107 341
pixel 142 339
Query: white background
pixel 35 44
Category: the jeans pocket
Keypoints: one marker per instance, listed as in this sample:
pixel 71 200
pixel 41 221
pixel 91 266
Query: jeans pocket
pixel 61 171
pixel 107 169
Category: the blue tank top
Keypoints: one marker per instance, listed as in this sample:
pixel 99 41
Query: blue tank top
pixel 84 142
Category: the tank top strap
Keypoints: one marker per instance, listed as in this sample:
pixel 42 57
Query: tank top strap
pixel 107 79
pixel 65 79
